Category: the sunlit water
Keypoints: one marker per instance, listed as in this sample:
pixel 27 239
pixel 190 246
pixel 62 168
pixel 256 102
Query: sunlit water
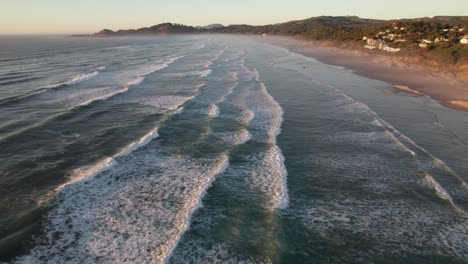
pixel 210 149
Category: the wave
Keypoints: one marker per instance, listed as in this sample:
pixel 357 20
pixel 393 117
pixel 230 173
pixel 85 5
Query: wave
pixel 89 171
pixel 76 79
pixel 213 111
pixel 234 138
pixel 169 102
pixel 136 79
pixel 441 192
pixel 268 114
pixel 101 97
pixel 140 143
pixel 78 98
pixel 269 176
pixel 104 164
pixel 264 117
pixel 133 82
pixel 438 174
pixel 245 116
pixel 145 202
pixel 202 73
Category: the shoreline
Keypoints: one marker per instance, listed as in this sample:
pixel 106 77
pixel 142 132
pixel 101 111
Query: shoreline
pixel 442 86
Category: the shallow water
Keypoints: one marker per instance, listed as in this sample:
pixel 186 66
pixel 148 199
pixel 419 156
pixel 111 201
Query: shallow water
pixel 201 149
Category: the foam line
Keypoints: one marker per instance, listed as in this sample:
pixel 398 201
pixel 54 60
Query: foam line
pixel 76 79
pixel 269 175
pixel 418 153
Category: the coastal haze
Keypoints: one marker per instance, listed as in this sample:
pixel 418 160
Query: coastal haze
pixel 199 148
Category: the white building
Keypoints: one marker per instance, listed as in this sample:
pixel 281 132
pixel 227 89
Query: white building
pixel 464 40
pixel 390 49
pixel 379 44
pixel 443 39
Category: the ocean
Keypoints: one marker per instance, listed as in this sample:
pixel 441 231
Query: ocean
pixel 220 149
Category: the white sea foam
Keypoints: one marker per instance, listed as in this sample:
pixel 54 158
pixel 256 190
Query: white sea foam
pixel 410 225
pixel 268 114
pixel 79 97
pixel 170 102
pixel 154 68
pixel 202 73
pixel 137 76
pixel 82 77
pixel 245 116
pixel 264 117
pixel 152 134
pixel 76 79
pixel 441 192
pixel 198 251
pixel 234 138
pixel 101 97
pixel 268 175
pixel 196 88
pixel 90 171
pixel 135 212
pixel 137 81
pixel 443 177
pixel 213 111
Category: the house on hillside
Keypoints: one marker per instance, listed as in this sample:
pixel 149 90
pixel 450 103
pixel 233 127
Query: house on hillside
pixel 443 39
pixel 464 40
pixel 372 42
pixel 380 44
pixel 390 49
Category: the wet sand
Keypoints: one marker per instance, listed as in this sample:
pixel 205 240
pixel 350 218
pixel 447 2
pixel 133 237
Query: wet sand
pixel 444 87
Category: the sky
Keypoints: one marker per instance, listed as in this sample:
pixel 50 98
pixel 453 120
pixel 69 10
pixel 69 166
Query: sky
pixel 89 16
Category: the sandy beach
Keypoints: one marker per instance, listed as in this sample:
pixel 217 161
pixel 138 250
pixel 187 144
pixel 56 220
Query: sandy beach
pixel 448 89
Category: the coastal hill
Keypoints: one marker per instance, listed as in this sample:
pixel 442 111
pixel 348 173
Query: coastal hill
pixel 440 40
pixel 287 28
pixel 165 28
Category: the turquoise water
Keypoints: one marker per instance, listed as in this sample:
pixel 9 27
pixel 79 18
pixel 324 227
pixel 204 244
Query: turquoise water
pixel 216 149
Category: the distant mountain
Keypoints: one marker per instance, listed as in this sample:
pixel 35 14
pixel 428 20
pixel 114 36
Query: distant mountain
pixel 282 28
pixel 212 26
pixel 165 28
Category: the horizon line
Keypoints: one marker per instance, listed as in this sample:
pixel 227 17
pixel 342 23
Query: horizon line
pixel 76 33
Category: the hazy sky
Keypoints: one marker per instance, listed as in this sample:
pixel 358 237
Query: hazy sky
pixel 87 16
